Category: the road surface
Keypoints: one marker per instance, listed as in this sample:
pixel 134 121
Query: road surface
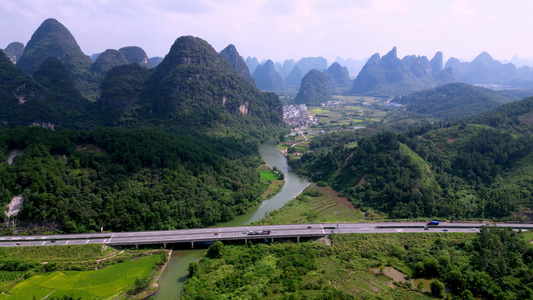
pixel 238 233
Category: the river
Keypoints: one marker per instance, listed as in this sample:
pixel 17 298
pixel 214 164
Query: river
pixel 174 276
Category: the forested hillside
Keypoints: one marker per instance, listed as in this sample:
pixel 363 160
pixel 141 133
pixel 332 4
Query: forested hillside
pixel 455 171
pixel 125 180
pixel 185 153
pixel 452 101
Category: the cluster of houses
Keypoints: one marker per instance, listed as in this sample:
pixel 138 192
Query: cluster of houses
pixel 331 103
pixel 391 103
pixel 298 116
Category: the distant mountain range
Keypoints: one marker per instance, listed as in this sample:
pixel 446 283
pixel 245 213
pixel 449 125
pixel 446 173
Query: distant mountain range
pixel 390 76
pixel 382 76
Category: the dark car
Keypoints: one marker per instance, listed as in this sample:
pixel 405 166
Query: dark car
pixel 18 243
pixel 52 241
pixel 216 233
pixel 309 227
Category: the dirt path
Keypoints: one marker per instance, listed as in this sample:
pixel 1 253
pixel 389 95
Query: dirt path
pixel 13 154
pixel 106 258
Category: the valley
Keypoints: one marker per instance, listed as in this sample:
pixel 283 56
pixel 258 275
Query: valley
pixel 205 175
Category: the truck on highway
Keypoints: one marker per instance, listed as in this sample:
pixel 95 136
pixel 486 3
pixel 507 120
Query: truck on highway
pixel 433 222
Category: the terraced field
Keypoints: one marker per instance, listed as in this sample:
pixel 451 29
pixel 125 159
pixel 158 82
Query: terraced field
pixel 327 207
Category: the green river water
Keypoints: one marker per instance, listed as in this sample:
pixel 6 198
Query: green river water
pixel 174 276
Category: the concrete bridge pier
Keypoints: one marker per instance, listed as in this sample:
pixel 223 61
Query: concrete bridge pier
pixel 164 245
pixel 246 241
pixel 297 239
pixel 137 246
pixel 192 245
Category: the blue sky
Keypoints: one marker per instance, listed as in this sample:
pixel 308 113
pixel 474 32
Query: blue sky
pixel 280 29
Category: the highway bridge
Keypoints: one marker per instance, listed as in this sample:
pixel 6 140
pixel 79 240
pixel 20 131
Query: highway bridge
pixel 241 233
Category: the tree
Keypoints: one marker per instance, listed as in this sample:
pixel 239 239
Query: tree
pixel 437 288
pixel 467 295
pixel 216 250
pixel 194 267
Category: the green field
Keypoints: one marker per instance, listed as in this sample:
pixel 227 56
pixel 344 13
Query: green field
pixel 351 112
pixel 268 175
pixel 271 181
pixel 97 284
pixel 84 271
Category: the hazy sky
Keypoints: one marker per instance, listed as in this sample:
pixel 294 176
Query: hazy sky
pixel 280 29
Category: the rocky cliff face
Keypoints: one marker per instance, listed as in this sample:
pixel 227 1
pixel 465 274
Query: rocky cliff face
pixel 135 55
pixel 267 78
pixel 195 86
pixel 16 88
pixel 14 51
pixel 50 99
pixel 231 55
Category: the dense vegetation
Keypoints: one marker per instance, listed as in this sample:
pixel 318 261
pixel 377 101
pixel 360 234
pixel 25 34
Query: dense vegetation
pixel 494 264
pixel 127 180
pixel 453 171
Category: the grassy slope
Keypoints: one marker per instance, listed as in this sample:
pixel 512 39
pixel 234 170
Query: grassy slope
pixel 327 207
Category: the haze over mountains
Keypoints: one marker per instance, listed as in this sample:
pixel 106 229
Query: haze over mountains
pixel 389 75
pixel 382 76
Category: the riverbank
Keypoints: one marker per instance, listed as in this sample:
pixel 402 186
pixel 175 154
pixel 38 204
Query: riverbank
pixel 176 272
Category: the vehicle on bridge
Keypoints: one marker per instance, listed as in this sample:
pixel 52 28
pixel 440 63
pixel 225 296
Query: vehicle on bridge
pixel 259 232
pixel 433 222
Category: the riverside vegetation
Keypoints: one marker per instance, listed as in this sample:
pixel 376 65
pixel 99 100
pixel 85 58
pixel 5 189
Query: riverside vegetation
pixel 494 264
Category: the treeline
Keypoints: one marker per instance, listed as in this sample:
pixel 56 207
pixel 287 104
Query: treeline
pixel 454 171
pixel 125 180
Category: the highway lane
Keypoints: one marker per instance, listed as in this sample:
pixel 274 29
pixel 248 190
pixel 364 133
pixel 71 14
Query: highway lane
pixel 240 232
